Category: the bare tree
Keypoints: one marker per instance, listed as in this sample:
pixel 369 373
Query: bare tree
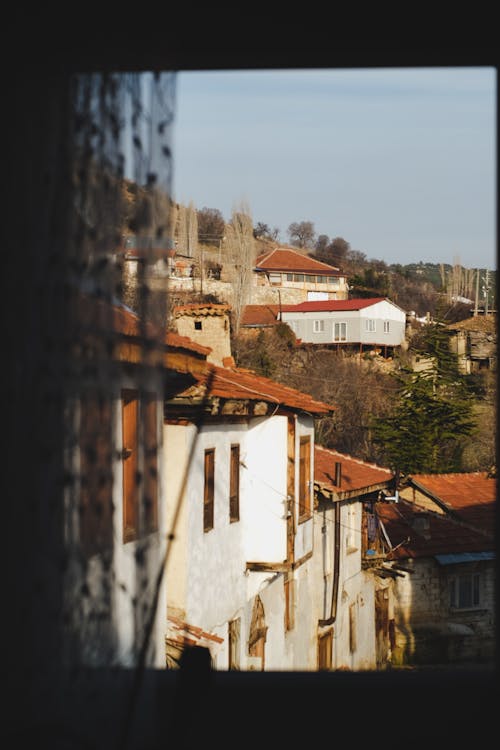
pixel 240 248
pixel 302 233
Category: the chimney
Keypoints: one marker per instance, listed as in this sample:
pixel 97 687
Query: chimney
pixel 338 474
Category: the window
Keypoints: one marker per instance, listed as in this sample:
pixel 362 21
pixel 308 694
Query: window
pixel 208 491
pixel 96 485
pixel 351 534
pixel 234 484
pixel 298 277
pixel 370 325
pixel 353 628
pixel 325 644
pixel 234 628
pixel 197 325
pixel 464 591
pixel 289 590
pixel 340 332
pixel 275 278
pixel 386 326
pixel 318 326
pixel 140 464
pixel 305 478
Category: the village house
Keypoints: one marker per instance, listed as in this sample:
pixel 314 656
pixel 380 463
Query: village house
pixel 239 451
pixel 207 324
pixel 294 277
pixel 375 324
pixel 115 519
pixel 351 599
pixel 474 341
pixel 441 537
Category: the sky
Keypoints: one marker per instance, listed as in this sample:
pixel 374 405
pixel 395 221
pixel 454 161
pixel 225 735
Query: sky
pixel 400 163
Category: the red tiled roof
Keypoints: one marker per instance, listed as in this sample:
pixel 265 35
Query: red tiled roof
pixel 333 305
pixel 238 383
pixel 416 532
pixel 200 308
pixel 281 259
pixel 355 474
pixel 98 315
pixel 470 496
pixel 260 315
pixel 174 341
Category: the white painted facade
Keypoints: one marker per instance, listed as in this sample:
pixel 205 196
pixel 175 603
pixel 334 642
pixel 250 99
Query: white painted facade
pixel 209 583
pixel 344 593
pixel 111 618
pixel 380 324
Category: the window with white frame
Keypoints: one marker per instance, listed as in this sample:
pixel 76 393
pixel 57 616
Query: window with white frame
pixel 370 325
pixel 386 326
pixel 340 332
pixel 318 326
pixel 464 591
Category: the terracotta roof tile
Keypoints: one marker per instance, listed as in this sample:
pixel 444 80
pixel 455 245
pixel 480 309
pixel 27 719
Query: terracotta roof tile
pixel 200 308
pixel 238 383
pixel 260 315
pixel 416 532
pixel 355 474
pixel 283 259
pixel 470 496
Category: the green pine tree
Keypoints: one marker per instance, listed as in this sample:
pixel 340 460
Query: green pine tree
pixel 432 416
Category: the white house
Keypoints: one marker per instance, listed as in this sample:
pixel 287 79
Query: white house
pixel 350 605
pixel 375 323
pixel 114 515
pixel 239 451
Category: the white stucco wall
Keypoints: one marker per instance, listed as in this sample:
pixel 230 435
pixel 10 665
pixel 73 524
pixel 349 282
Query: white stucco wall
pixel 264 487
pixel 114 584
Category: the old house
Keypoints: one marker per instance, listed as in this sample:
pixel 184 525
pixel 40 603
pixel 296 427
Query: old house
pixel 361 324
pixel 442 534
pixel 351 600
pixel 114 515
pixel 294 277
pixel 239 451
pixel 474 341
pixel 207 324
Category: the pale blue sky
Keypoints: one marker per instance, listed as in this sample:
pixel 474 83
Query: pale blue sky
pixel 401 163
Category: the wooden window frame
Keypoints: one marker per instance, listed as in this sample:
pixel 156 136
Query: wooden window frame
pixel 96 474
pixel 234 483
pixel 139 463
pixel 304 478
pixel 325 650
pixel 208 489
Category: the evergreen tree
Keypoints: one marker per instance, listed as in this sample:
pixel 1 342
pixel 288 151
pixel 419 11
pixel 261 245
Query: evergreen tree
pixel 426 431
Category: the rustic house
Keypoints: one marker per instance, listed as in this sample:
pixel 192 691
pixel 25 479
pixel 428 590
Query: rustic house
pixel 114 516
pixel 239 451
pixel 207 324
pixel 351 600
pixel 443 587
pixel 474 341
pixel 295 277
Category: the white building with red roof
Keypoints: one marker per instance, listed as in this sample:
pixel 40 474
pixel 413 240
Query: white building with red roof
pixel 373 323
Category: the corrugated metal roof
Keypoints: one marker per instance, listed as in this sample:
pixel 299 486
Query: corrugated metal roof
pixel 464 557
